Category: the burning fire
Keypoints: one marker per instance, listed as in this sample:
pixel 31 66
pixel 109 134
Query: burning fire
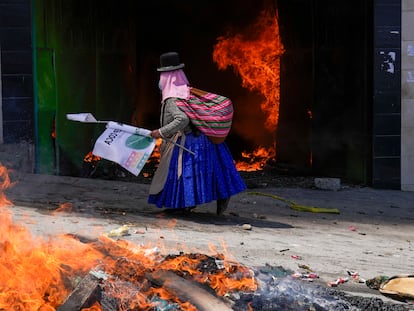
pixel 33 273
pixel 254 161
pixel 90 161
pixel 90 164
pixel 38 274
pixel 4 184
pixel 255 56
pixel 91 158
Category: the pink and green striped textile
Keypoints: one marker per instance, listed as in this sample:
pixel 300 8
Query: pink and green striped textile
pixel 212 114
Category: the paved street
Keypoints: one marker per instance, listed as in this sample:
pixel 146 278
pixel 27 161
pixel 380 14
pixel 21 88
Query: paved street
pixel 373 233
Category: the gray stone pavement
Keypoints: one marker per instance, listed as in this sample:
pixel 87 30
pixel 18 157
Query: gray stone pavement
pixel 373 234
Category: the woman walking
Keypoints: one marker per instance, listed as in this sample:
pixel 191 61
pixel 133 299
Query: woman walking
pixel 186 179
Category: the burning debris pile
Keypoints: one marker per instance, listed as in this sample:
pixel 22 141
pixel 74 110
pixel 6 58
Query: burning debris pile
pixel 66 273
pixel 173 282
pixel 116 275
pixel 70 272
pixel 201 282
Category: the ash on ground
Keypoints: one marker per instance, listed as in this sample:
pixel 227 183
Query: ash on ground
pixel 278 290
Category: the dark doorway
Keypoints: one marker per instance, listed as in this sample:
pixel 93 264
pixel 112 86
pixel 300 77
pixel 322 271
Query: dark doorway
pixel 324 126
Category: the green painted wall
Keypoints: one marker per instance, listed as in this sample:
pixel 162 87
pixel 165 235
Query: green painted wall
pixel 83 59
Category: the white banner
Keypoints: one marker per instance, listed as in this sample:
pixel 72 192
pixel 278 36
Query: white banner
pixel 85 117
pixel 129 128
pixel 129 150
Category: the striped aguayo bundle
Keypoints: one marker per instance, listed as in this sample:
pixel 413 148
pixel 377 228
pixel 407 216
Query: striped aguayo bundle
pixel 212 114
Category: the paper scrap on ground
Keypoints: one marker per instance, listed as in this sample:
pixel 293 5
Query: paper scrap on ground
pixel 121 231
pixel 126 145
pixel 299 207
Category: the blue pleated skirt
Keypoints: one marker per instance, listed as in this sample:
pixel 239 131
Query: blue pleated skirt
pixel 208 175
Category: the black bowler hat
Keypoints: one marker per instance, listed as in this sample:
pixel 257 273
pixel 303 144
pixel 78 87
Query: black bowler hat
pixel 170 61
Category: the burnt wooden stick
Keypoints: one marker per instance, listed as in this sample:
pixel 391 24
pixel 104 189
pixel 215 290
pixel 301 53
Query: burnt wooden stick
pixel 188 291
pixel 84 295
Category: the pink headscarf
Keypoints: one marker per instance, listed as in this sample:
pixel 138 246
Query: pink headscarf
pixel 174 84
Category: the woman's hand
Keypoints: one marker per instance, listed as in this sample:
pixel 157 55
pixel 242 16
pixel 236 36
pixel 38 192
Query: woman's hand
pixel 156 134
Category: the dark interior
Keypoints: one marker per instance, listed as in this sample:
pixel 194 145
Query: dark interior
pixel 109 52
pixel 324 124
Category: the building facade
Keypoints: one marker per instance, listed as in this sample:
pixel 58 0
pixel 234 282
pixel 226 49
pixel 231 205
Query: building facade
pixel 49 65
pixel 407 96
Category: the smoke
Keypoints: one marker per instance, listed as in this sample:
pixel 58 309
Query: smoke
pixel 278 290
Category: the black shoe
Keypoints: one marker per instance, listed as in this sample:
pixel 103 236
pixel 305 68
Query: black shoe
pixel 189 209
pixel 222 205
pixel 179 211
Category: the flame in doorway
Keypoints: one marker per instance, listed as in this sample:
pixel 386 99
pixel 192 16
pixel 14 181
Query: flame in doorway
pixel 255 56
pixel 255 160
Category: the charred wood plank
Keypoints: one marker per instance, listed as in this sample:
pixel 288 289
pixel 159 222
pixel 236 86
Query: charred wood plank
pixel 84 295
pixel 188 291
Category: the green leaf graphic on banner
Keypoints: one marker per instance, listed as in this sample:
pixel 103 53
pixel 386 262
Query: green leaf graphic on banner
pixel 138 142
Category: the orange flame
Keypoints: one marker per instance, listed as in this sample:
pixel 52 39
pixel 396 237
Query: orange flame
pixel 33 272
pixel 38 274
pixel 256 160
pixel 90 157
pixel 4 184
pixel 255 56
pixel 64 208
pixel 95 307
pixel 155 156
pixel 219 281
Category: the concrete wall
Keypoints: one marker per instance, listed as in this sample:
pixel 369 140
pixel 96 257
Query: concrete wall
pixel 407 96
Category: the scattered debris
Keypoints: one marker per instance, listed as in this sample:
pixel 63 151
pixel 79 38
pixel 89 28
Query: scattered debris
pixel 333 184
pixel 305 267
pixel 376 282
pixel 121 231
pixel 247 227
pixel 356 277
pixel 279 290
pixel 337 282
pixel 305 276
